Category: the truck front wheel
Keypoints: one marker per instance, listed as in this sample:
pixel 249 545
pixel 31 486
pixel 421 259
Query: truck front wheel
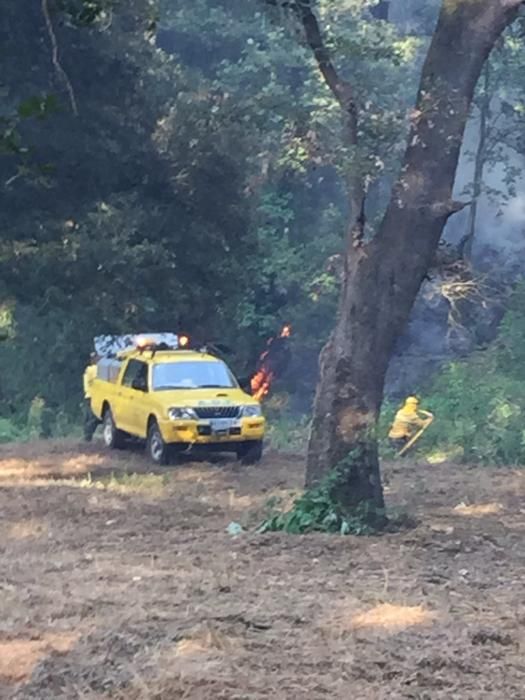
pixel 157 449
pixel 113 437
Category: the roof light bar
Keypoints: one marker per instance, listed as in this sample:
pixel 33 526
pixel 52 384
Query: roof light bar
pixel 111 345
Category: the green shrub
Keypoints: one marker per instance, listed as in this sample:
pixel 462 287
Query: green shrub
pixel 288 434
pixel 479 409
pixel 38 421
pixel 9 431
pixel 317 511
pixel 479 403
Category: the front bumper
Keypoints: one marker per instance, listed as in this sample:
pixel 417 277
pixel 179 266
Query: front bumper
pixel 204 432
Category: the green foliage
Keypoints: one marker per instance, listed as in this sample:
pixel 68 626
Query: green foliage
pixel 141 222
pixel 318 511
pixel 170 202
pixel 39 107
pixel 300 159
pixel 9 431
pixel 11 123
pixel 202 185
pixel 85 13
pixel 39 418
pixel 388 411
pixel 6 321
pixel 40 422
pixel 479 404
pixel 9 137
pixel 287 433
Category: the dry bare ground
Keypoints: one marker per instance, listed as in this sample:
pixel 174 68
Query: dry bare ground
pixel 130 587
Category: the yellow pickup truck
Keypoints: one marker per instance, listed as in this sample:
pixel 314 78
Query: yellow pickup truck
pixel 175 399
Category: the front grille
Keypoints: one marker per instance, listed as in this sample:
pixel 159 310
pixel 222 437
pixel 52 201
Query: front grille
pixel 207 412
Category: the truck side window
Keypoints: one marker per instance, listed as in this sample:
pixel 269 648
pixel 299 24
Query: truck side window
pixel 136 374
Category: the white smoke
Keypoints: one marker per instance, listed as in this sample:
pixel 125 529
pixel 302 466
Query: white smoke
pixel 500 223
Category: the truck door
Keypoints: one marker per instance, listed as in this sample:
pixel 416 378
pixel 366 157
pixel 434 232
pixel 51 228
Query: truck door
pixel 132 394
pixel 140 405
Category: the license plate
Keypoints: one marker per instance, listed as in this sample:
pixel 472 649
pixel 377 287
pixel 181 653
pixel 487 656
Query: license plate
pixel 221 426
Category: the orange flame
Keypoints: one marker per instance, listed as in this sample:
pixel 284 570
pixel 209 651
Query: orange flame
pixel 261 381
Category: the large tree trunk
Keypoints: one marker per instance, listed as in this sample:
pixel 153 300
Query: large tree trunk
pixel 382 277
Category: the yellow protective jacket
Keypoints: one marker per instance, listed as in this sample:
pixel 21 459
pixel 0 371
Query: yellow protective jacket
pixel 89 375
pixel 406 423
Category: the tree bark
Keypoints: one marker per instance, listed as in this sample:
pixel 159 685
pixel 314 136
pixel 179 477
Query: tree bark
pixel 382 277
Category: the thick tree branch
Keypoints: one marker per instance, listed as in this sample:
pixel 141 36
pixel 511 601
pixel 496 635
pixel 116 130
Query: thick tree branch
pixel 448 208
pixel 341 89
pixel 343 92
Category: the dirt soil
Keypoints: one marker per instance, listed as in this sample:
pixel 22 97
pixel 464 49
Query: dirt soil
pixel 120 581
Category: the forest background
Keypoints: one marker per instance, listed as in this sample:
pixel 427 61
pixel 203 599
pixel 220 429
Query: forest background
pixel 175 165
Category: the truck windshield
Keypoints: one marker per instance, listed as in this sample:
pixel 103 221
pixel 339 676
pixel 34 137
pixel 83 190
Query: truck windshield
pixel 191 375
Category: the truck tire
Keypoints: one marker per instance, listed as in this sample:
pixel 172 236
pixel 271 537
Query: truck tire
pixel 158 450
pixel 113 437
pixel 250 452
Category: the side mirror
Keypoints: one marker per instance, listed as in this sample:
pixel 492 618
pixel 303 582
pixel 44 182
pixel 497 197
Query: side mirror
pixel 139 385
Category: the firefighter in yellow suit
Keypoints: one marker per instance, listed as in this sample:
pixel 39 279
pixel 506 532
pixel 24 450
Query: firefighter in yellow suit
pixel 407 422
pixel 90 420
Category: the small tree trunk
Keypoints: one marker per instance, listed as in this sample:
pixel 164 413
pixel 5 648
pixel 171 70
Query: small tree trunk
pixel 465 246
pixel 382 277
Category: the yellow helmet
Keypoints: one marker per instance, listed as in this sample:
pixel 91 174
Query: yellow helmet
pixel 412 401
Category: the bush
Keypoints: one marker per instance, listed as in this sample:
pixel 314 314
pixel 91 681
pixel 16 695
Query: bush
pixel 38 422
pixel 479 409
pixel 39 419
pixel 316 510
pixel 9 432
pixel 288 433
pixel 479 404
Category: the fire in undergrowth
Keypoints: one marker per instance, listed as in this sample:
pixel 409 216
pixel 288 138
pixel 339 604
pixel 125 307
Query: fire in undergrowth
pixel 272 363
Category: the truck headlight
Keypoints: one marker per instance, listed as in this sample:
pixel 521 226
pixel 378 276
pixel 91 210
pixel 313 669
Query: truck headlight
pixel 251 411
pixel 182 414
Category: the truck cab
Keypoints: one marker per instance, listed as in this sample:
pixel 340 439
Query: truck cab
pixel 176 400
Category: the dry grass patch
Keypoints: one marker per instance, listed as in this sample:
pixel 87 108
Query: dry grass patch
pixel 19 657
pixel 205 641
pixel 24 529
pixel 171 606
pixel 478 510
pixel 141 484
pixel 390 617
